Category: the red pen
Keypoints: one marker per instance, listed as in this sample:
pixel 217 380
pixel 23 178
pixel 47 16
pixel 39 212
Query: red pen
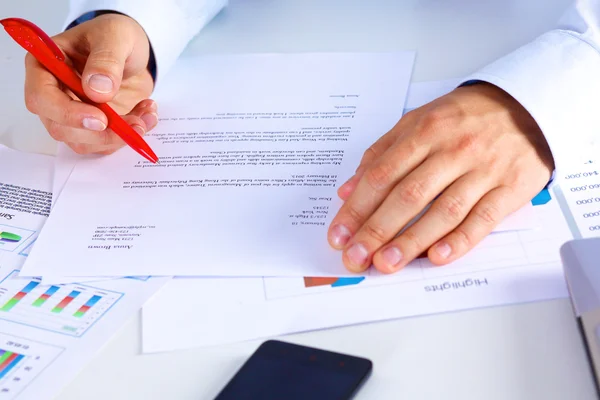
pixel 43 48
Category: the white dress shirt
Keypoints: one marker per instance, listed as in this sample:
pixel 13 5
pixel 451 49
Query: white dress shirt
pixel 556 77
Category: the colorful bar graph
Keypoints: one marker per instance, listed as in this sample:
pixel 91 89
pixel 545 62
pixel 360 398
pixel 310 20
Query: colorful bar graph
pixel 89 304
pixel 333 282
pixel 42 299
pixel 19 296
pixel 8 360
pixel 66 301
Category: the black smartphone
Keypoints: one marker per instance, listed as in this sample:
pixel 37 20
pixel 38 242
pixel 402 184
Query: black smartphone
pixel 286 371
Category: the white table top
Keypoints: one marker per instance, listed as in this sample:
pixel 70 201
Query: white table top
pixel 530 351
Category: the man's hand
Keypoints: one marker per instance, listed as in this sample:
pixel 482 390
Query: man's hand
pixel 111 52
pixel 475 153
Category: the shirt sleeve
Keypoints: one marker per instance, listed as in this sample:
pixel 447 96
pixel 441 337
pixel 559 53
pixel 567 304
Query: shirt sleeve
pixel 556 77
pixel 169 24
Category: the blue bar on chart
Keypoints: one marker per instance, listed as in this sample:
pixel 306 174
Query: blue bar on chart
pixel 8 360
pixel 19 296
pixel 47 294
pixel 66 301
pixel 89 304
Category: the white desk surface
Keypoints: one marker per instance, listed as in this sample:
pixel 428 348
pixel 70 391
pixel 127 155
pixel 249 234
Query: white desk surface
pixel 528 352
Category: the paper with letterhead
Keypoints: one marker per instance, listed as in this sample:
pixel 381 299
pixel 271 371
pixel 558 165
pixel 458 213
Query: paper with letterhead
pixel 505 268
pixel 252 151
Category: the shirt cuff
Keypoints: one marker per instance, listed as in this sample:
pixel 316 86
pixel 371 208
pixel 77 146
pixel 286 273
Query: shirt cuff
pixel 169 26
pixel 556 79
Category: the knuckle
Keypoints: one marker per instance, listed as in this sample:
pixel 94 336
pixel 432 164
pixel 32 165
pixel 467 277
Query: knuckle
pixel 106 60
pixel 106 139
pixel 488 214
pixel 375 232
pixel 67 116
pixel 462 239
pixel 410 116
pixel 412 192
pixel 522 178
pixel 354 214
pixel 451 208
pixel 411 146
pixel 369 155
pixel 32 101
pixel 380 176
pixel 29 60
pixel 469 144
pixel 55 130
pixel 79 148
pixel 107 152
pixel 416 243
pixel 431 120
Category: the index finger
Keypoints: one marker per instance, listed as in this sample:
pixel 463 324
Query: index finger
pixel 44 96
pixel 374 186
pixel 373 153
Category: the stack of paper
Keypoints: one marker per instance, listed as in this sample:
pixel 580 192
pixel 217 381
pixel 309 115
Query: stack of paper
pixel 48 332
pixel 252 149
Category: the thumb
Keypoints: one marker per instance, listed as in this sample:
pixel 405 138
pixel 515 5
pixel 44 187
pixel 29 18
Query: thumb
pixel 104 67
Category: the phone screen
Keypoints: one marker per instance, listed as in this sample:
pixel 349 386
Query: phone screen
pixel 280 370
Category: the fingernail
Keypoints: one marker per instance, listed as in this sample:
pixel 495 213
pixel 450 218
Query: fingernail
pixel 357 254
pixel 392 256
pixel 150 119
pixel 443 249
pixel 340 236
pixel 101 83
pixel 139 130
pixel 93 124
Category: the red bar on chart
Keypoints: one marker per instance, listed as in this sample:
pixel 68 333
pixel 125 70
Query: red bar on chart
pixel 45 296
pixel 89 304
pixel 66 301
pixel 19 296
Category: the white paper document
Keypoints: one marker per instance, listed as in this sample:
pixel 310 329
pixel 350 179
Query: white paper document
pixel 64 162
pixel 25 199
pixel 249 169
pixel 49 332
pixel 252 150
pixel 505 268
pixel 25 196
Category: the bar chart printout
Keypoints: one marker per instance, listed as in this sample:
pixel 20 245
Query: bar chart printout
pixel 8 361
pixel 21 360
pixel 66 301
pixel 65 309
pixel 86 307
pixel 19 296
pixel 44 297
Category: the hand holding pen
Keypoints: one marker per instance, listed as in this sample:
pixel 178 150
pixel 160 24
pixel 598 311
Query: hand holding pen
pixel 111 53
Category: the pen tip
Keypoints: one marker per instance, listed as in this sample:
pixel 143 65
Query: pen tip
pixel 150 156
